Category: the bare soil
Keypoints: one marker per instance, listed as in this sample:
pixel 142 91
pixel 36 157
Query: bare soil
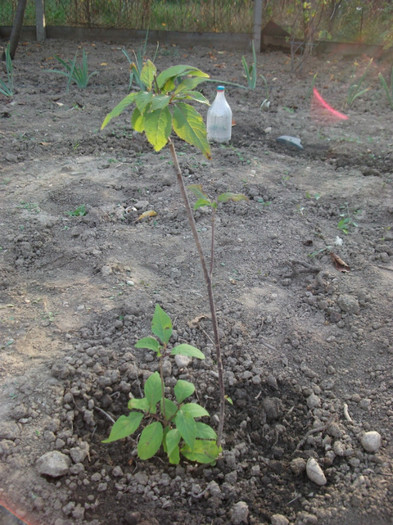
pixel 307 346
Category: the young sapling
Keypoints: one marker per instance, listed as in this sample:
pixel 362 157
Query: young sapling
pixel 169 423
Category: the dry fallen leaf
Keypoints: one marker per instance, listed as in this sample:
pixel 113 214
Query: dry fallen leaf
pixel 340 265
pixel 195 322
pixel 149 213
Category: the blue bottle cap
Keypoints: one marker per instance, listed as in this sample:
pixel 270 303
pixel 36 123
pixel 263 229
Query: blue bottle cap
pixel 220 88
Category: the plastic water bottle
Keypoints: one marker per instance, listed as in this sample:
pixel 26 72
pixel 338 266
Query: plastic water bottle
pixel 219 118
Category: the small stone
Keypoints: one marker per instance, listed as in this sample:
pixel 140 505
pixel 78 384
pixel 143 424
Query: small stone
pixel 334 430
pixel 315 473
pixel 272 407
pixel 279 519
pixel 106 270
pixel 239 513
pixel 9 430
pixel 313 401
pixel 79 454
pixel 54 464
pixel 141 205
pixel 298 465
pixel 348 304
pixel 371 441
pixel 117 472
pixel 339 448
pixel 182 361
pixel 305 518
pixel 365 404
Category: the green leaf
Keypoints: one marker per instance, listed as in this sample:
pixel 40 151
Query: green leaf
pixel 172 440
pixel 137 121
pixel 203 202
pixel 203 451
pixel 198 97
pixel 148 342
pixel 160 102
pixel 147 74
pixel 158 127
pixel 186 425
pixel 188 350
pixel 178 71
pixel 188 83
pixel 189 126
pixel 161 325
pixel 150 440
pixel 117 110
pixel 183 389
pixel 235 197
pixel 124 426
pixel 139 404
pixel 198 191
pixel 142 99
pixel 170 409
pixel 204 431
pixel 194 410
pixel 153 391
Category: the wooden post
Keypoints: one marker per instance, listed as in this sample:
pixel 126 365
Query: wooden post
pixel 16 28
pixel 40 20
pixel 257 25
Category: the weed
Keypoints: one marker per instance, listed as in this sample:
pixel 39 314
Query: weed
pixel 137 65
pixel 175 427
pixel 80 211
pixel 29 206
pixel 355 90
pixel 250 71
pixel 347 220
pixel 311 88
pixel 7 87
pixel 265 105
pixel 315 196
pixel 388 89
pixel 76 73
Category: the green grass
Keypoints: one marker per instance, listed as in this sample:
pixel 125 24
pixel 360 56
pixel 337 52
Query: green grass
pixel 170 15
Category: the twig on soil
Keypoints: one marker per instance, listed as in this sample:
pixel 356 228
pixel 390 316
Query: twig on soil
pixel 385 268
pixel 307 268
pixel 106 414
pixel 315 431
pixel 268 345
pixel 294 499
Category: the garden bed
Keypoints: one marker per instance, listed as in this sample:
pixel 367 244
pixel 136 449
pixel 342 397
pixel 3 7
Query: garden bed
pixel 307 340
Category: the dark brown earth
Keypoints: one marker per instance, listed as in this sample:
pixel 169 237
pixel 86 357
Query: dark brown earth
pixel 307 347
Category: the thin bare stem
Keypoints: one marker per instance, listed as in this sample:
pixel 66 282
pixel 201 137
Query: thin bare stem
pixel 212 242
pixel 208 280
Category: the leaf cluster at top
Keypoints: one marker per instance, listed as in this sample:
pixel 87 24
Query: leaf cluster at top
pixel 163 106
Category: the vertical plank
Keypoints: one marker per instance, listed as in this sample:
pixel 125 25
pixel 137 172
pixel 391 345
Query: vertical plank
pixel 257 25
pixel 40 20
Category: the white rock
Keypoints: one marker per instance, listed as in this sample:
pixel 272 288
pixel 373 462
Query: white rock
pixel 182 360
pixel 371 441
pixel 279 519
pixel 315 473
pixel 239 513
pixel 79 454
pixel 53 464
pixel 339 448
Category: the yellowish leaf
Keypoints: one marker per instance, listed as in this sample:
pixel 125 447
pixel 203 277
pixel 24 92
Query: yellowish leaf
pixel 149 213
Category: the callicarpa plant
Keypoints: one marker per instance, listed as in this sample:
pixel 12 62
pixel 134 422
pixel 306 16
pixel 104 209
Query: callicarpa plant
pixel 161 108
